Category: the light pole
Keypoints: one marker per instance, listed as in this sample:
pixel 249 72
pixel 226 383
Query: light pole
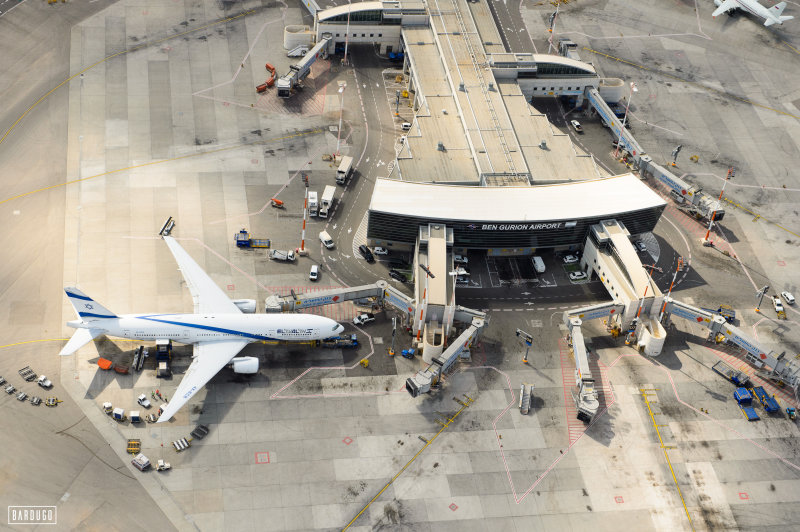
pixel 634 88
pixel 341 110
pixel 552 28
pixel 760 294
pixel 731 173
pixel 347 33
pixel 528 339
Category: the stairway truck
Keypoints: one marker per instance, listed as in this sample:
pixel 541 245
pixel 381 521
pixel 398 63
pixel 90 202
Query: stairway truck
pixel 163 359
pixel 345 170
pixel 326 201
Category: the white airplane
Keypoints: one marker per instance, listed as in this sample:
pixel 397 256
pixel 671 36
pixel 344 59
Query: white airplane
pixel 218 329
pixel 771 14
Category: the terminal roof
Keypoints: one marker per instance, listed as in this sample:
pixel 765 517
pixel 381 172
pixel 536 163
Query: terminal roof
pixel 561 202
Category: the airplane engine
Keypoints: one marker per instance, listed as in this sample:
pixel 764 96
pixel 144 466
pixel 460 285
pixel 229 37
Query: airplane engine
pixel 246 365
pixel 248 306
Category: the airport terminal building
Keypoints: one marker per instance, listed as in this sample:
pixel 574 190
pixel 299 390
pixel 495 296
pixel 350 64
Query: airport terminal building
pixel 506 220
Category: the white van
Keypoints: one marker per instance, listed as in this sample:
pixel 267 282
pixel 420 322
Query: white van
pixel 405 126
pixel 538 264
pixel 314 273
pixel 326 240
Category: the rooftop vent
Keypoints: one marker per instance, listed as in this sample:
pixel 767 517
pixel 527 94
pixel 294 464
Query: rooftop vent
pixel 543 145
pixel 440 146
pixel 461 87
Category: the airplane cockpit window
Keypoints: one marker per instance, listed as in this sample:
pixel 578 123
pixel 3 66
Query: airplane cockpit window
pixel 335 327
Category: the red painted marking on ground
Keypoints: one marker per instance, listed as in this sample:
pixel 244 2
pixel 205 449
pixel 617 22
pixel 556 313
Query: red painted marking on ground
pixel 262 457
pixel 618 500
pixel 231 287
pixel 453 507
pixel 348 440
pixel 744 496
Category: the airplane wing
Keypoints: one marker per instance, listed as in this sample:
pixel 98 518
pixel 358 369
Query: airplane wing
pixel 208 297
pixel 727 5
pixel 208 359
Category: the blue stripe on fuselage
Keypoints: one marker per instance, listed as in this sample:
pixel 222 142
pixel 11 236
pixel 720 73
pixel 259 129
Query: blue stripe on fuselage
pixel 207 328
pixel 76 296
pixel 89 315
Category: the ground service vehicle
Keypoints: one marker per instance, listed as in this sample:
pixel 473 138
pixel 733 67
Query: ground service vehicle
pixel 163 359
pixel 279 254
pixel 314 273
pixel 141 462
pixel 144 401
pixel 326 201
pixel 363 319
pixel 313 205
pixel 326 240
pixel 788 297
pixel 538 264
pixel 345 169
pixel 44 382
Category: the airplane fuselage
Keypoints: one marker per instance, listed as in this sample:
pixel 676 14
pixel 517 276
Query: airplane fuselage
pixel 754 8
pixel 194 328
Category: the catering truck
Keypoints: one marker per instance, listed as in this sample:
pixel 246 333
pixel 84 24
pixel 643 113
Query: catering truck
pixel 345 169
pixel 326 201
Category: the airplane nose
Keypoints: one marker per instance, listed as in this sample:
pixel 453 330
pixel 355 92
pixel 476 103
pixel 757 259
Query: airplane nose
pixel 340 329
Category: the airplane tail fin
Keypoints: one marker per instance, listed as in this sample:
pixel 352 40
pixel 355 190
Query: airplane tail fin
pixel 86 307
pixel 80 339
pixel 777 9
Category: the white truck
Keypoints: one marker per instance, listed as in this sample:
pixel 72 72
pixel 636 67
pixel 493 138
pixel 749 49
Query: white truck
pixel 141 462
pixel 312 203
pixel 326 201
pixel 345 169
pixel 279 254
pixel 43 381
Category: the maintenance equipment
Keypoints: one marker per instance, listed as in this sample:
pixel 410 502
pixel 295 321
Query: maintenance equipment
pixel 737 377
pixel 10 389
pixel 138 358
pixel 769 402
pixel 791 412
pixel 163 466
pixel 52 401
pixel 27 373
pixel 340 342
pixel 275 202
pixel 745 401
pixel 36 401
pixel 182 444
pixel 119 414
pixel 134 446
pixel 135 416
pixel 108 408
pixel 270 81
pixel 290 81
pixel 22 396
pixel 525 398
pixel 141 462
pixel 2 381
pixel 44 382
pixel 243 240
pixel 344 170
pixel 279 254
pixel 200 432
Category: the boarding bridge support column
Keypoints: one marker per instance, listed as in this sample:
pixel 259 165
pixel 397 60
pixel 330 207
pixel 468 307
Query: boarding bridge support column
pixel 624 137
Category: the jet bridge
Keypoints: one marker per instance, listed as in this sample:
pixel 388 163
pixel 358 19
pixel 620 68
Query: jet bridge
pixel 423 381
pixel 586 402
pixel 381 290
pixel 772 366
pixel 298 72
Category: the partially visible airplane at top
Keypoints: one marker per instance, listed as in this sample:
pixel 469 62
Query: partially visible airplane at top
pixel 772 15
pixel 218 329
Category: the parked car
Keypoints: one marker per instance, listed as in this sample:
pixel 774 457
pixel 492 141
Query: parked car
pixel 460 270
pixel 397 276
pixel 366 253
pixel 576 125
pixel 314 273
pixel 788 297
pixel 363 319
pixel 460 259
pixel 577 276
pixel 380 251
pixel 462 280
pixel 640 246
pixel 570 259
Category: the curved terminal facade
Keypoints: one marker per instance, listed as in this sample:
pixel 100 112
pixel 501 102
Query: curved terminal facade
pixel 506 220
